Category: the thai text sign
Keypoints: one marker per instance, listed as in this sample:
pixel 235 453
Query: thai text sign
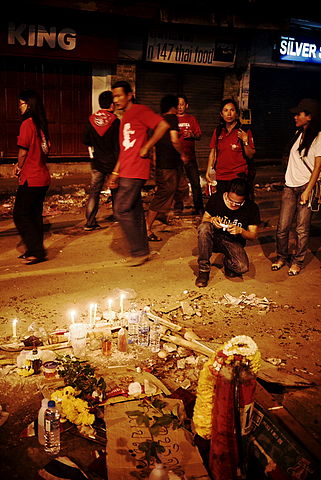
pixel 189 50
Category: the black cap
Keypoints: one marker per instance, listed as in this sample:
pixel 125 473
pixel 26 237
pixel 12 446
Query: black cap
pixel 308 105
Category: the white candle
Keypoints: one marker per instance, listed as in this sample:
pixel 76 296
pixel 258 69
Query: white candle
pixel 91 312
pixel 14 328
pixel 122 297
pixel 110 302
pixel 72 316
pixel 94 313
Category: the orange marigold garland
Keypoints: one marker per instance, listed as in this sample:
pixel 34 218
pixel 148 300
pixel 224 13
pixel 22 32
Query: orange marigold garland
pixel 224 404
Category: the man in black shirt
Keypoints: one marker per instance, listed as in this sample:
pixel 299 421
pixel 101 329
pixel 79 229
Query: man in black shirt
pixel 229 220
pixel 169 158
pixel 102 139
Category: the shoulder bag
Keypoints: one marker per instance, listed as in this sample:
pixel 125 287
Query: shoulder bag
pixel 315 195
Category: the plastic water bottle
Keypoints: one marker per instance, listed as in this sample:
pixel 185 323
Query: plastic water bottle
pixel 158 473
pixel 41 421
pixel 212 184
pixel 154 337
pixel 52 429
pixel 133 327
pixel 143 331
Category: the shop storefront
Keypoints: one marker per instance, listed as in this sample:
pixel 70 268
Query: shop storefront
pixel 289 69
pixel 55 55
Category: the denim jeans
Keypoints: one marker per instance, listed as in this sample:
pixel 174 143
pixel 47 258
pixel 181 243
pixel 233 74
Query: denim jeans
pixel 96 186
pixel 290 210
pixel 209 241
pixel 27 216
pixel 129 212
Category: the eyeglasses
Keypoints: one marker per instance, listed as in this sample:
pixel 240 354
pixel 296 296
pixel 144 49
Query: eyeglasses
pixel 236 204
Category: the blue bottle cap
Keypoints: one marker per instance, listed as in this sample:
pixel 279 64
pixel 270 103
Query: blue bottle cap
pixel 51 403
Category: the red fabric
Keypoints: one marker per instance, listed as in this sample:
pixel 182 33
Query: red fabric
pixel 101 121
pixel 34 169
pixel 133 134
pixel 188 123
pixel 224 453
pixel 230 160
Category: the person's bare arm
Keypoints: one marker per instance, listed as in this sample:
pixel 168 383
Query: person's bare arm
pixel 249 234
pixel 177 144
pixel 22 155
pixel 159 131
pixel 210 163
pixel 314 177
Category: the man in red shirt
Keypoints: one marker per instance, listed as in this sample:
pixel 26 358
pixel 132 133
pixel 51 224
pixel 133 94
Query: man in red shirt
pixel 190 132
pixel 133 168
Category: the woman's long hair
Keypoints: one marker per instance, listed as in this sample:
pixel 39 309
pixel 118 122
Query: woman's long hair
pixel 35 110
pixel 310 133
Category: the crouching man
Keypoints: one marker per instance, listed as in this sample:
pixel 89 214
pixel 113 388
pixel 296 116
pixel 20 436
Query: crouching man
pixel 229 220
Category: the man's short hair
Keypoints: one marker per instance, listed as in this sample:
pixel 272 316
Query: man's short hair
pixel 240 187
pixel 167 102
pixel 184 97
pixel 105 99
pixel 124 85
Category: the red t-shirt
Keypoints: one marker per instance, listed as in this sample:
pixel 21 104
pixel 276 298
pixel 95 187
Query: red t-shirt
pixel 34 169
pixel 188 123
pixel 133 134
pixel 230 160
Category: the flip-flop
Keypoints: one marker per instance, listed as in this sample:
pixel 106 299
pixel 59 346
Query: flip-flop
pixel 34 260
pixel 153 238
pixel 294 270
pixel 277 265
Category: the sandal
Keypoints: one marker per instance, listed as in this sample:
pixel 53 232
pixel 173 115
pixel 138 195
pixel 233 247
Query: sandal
pixel 277 265
pixel 294 270
pixel 153 238
pixel 34 260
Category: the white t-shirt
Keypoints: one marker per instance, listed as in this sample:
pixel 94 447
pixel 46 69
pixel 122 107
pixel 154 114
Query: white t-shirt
pixel 297 173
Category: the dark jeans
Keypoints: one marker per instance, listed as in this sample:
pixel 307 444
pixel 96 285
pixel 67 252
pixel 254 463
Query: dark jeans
pixel 209 241
pixel 129 212
pixel 290 209
pixel 96 186
pixel 27 216
pixel 192 173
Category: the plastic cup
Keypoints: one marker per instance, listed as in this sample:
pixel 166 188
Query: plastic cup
pixel 78 334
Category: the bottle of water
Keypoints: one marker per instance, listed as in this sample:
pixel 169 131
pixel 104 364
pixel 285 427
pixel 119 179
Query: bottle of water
pixel 158 473
pixel 212 184
pixel 154 337
pixel 143 331
pixel 41 421
pixel 133 327
pixel 52 429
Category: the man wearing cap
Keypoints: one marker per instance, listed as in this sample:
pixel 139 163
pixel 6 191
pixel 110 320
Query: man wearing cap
pixel 302 172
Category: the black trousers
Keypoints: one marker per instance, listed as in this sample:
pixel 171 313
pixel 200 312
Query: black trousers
pixel 27 216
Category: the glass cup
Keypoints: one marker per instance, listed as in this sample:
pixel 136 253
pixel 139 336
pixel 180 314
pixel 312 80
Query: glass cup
pixel 78 334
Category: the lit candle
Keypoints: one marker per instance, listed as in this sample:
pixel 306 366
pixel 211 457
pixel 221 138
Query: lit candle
pixel 91 312
pixel 110 302
pixel 14 328
pixel 122 297
pixel 72 316
pixel 94 313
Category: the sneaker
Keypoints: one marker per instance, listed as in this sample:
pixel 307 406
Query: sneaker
pixel 202 279
pixel 89 228
pixel 136 261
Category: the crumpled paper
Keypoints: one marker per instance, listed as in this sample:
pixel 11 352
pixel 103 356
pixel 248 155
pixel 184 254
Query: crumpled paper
pixel 252 300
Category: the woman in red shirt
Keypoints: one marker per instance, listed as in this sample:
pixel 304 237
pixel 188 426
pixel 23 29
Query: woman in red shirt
pixel 232 149
pixel 33 174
